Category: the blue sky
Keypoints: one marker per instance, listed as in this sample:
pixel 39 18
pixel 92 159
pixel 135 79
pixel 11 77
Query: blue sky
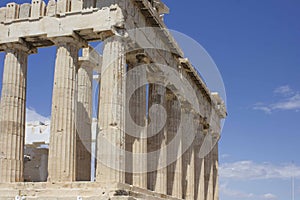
pixel 256 46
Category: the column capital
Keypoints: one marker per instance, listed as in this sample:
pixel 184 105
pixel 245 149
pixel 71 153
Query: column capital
pixel 20 44
pixel 137 57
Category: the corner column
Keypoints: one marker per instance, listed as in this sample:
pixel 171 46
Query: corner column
pixel 209 182
pixel 62 149
pixel 111 138
pixel 12 114
pixel 216 171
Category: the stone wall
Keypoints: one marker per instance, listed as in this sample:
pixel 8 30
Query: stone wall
pixel 36 163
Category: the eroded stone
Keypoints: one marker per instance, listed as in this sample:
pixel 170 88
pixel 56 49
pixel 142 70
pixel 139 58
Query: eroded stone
pixel 25 11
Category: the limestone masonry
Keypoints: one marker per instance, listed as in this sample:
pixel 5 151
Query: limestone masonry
pixel 142 152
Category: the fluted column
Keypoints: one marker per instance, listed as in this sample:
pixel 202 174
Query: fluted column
pixel 216 171
pixel 62 149
pixel 174 135
pixel 189 156
pixel 209 185
pixel 12 114
pixel 199 163
pixel 84 118
pixel 138 135
pixel 111 138
pixel 157 143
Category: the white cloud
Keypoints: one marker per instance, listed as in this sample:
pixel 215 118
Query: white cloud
pixel 234 193
pixel 291 103
pixel 284 90
pixel 269 196
pixel 248 170
pixel 290 100
pixel 32 116
pixel 263 108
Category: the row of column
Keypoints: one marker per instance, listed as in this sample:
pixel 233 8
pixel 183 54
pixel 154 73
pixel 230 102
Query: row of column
pixel 69 155
pixel 188 177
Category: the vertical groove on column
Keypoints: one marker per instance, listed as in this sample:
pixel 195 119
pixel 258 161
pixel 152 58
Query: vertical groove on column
pixel 62 140
pixel 84 123
pixel 190 157
pixel 111 138
pixel 157 180
pixel 199 163
pixel 208 177
pixel 137 110
pixel 12 121
pixel 174 170
pixel 215 171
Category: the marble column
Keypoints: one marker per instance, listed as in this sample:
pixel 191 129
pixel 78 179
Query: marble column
pixel 216 171
pixel 12 115
pixel 111 138
pixel 84 117
pixel 199 163
pixel 62 149
pixel 138 135
pixel 174 169
pixel 157 179
pixel 189 156
pixel 209 185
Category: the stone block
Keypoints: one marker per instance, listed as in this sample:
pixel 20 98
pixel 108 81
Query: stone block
pixel 37 8
pixel 51 8
pixel 43 10
pixel 36 161
pixel 2 14
pixel 76 5
pixel 25 11
pixel 12 11
pixel 63 6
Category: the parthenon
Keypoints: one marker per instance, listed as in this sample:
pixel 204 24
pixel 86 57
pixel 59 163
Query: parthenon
pixel 158 123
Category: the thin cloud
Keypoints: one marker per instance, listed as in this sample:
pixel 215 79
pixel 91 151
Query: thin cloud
pixel 238 194
pixel 266 109
pixel 249 170
pixel 289 100
pixel 269 196
pixel 291 103
pixel 284 90
pixel 234 193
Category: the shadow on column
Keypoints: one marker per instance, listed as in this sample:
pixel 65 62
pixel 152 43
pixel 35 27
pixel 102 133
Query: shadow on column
pixel 173 123
pixel 154 143
pixel 198 161
pixel 83 145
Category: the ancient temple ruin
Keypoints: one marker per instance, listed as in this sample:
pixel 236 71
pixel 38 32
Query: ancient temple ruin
pixel 147 160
